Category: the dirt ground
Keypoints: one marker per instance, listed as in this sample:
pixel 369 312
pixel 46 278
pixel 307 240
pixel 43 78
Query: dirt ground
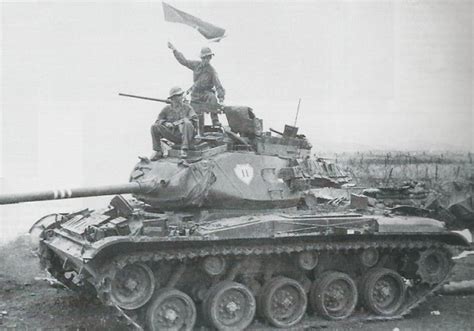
pixel 28 302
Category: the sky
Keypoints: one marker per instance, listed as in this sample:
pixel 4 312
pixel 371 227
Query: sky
pixel 393 75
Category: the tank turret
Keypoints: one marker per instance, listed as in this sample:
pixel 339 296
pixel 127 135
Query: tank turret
pixel 239 167
pixel 213 178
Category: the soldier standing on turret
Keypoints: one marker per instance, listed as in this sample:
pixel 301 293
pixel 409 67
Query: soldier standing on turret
pixel 206 84
pixel 176 122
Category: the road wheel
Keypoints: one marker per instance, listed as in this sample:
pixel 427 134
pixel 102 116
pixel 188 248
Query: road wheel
pixel 282 302
pixel 132 286
pixel 334 295
pixel 171 310
pixel 383 291
pixel 229 306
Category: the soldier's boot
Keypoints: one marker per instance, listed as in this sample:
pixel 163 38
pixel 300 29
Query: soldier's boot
pixel 156 155
pixel 215 120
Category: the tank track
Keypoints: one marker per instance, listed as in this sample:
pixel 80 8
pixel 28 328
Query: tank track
pixel 415 297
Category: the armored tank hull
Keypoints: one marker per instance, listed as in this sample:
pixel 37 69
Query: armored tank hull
pixel 179 271
pixel 216 241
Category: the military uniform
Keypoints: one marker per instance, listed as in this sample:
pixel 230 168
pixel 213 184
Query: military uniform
pixel 179 133
pixel 206 84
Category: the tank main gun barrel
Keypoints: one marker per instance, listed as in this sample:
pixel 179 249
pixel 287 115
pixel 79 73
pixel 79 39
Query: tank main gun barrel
pixel 82 192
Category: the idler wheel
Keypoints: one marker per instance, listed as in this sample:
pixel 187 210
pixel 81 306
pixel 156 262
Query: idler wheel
pixel 282 302
pixel 229 306
pixel 132 286
pixel 434 265
pixel 334 295
pixel 369 257
pixel 383 291
pixel 171 310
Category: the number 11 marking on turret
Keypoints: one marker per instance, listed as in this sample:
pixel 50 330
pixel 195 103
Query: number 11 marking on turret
pixel 244 172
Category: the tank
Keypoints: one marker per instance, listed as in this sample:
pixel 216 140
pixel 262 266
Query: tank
pixel 216 240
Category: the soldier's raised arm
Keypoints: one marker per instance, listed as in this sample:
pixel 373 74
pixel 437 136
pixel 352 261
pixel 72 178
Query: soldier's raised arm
pixel 181 59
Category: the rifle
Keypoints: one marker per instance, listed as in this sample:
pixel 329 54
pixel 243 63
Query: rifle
pixel 210 106
pixel 144 98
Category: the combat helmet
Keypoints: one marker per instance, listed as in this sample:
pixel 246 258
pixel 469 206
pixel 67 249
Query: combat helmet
pixel 206 51
pixel 176 90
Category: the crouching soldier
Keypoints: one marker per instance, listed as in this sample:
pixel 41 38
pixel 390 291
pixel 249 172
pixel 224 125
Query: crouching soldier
pixel 177 122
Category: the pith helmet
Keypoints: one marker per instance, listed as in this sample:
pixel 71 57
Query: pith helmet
pixel 175 91
pixel 206 51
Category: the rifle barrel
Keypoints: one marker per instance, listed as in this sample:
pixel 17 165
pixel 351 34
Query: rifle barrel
pixel 210 106
pixel 275 131
pixel 144 98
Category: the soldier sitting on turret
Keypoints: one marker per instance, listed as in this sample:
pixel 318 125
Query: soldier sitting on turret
pixel 176 122
pixel 206 84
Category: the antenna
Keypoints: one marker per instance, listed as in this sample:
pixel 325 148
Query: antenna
pixel 297 111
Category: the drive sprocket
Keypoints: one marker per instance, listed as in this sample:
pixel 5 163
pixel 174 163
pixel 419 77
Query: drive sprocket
pixel 433 265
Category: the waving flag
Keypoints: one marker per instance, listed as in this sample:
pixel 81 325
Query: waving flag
pixel 209 31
